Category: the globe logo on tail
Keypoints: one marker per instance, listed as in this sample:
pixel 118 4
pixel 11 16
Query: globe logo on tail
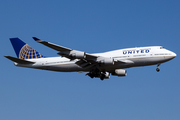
pixel 28 52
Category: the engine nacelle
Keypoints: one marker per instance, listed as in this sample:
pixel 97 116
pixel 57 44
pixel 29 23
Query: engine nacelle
pixel 107 61
pixel 77 54
pixel 119 72
pixel 74 54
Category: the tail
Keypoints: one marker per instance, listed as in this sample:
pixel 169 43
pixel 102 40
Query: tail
pixel 23 50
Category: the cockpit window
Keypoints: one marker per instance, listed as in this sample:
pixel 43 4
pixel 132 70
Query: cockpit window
pixel 162 48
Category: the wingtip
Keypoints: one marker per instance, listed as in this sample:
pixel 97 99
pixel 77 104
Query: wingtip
pixel 36 39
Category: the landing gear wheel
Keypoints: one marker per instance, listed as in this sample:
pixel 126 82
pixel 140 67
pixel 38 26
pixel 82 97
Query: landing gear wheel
pixel 91 75
pixel 157 69
pixel 102 76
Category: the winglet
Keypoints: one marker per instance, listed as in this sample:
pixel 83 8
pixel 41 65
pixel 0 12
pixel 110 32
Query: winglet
pixel 37 39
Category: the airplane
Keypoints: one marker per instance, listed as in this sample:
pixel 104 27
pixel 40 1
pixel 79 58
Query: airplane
pixel 98 65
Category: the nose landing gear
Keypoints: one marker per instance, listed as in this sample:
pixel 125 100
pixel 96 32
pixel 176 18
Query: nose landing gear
pixel 157 69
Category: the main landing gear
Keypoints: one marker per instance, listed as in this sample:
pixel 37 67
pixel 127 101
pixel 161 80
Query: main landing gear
pixel 99 74
pixel 157 69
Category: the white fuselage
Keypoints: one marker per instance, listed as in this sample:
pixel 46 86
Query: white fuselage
pixel 133 57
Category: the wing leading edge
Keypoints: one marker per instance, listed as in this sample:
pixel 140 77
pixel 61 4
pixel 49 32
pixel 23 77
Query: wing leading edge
pixel 67 52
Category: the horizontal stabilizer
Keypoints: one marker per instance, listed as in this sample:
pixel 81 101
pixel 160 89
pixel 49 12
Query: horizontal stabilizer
pixel 17 60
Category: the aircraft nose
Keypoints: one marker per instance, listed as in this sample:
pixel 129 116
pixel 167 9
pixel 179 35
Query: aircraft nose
pixel 174 54
pixel 170 56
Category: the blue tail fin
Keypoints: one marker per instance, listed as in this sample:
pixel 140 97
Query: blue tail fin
pixel 23 50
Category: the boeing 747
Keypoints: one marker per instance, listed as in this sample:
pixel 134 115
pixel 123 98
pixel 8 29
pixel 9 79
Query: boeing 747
pixel 99 65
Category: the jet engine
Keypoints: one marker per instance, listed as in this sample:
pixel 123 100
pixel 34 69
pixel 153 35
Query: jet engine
pixel 77 54
pixel 74 54
pixel 119 72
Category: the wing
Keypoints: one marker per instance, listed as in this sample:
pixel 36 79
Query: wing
pixel 51 45
pixel 67 52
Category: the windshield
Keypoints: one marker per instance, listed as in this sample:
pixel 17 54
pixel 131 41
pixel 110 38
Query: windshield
pixel 162 48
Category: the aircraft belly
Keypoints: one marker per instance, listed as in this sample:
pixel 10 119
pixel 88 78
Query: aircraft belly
pixel 136 62
pixel 148 61
pixel 58 67
pixel 65 68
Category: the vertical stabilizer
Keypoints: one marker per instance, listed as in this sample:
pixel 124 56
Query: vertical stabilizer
pixel 23 50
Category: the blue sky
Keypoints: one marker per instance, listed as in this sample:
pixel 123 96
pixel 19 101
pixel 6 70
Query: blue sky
pixel 90 26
